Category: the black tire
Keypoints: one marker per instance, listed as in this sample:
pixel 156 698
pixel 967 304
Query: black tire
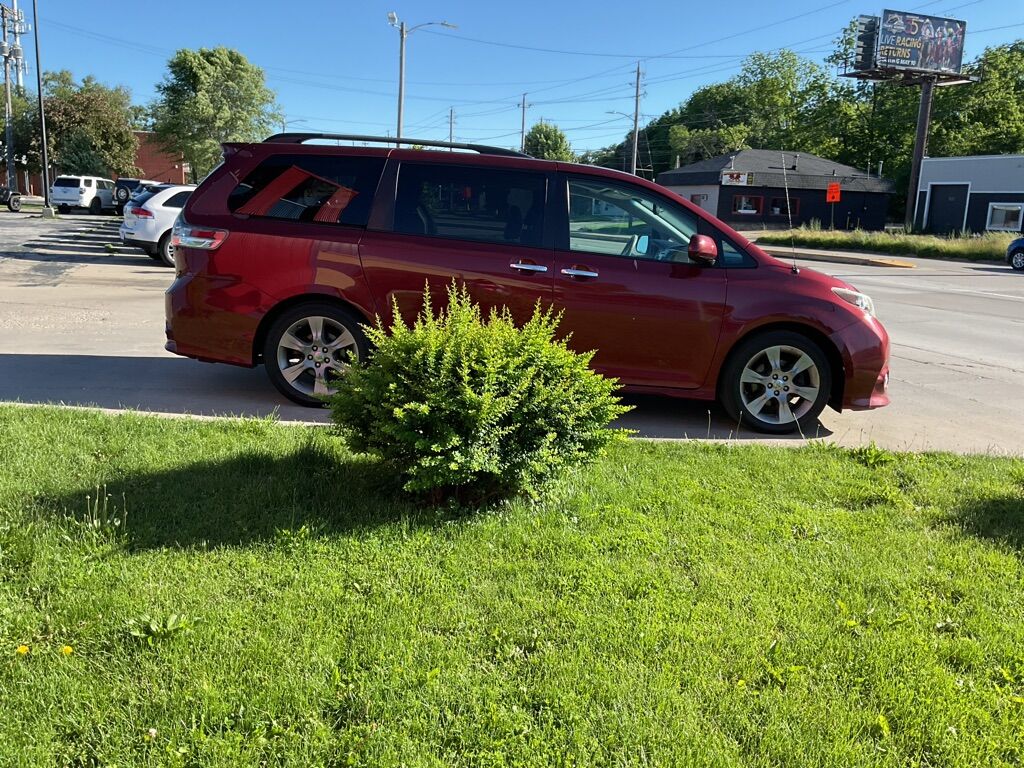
pixel 767 384
pixel 121 195
pixel 120 209
pixel 1017 260
pixel 14 203
pixel 155 256
pixel 302 391
pixel 63 209
pixel 165 251
pixel 95 206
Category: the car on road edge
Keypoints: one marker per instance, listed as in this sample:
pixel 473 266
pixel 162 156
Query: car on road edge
pixel 1015 254
pixel 286 250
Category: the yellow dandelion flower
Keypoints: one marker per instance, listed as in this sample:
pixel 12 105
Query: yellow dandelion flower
pixel 67 650
pixel 22 650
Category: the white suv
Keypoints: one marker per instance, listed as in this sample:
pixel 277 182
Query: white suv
pixel 89 192
pixel 149 217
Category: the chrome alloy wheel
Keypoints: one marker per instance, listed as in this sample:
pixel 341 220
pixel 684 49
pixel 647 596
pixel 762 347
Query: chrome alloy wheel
pixel 1017 260
pixel 780 384
pixel 313 350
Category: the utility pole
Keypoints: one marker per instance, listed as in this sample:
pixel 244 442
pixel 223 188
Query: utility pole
pixel 924 115
pixel 19 23
pixel 522 130
pixel 636 122
pixel 47 209
pixel 5 49
pixel 451 126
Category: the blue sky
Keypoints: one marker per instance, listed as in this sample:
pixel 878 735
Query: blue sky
pixel 334 64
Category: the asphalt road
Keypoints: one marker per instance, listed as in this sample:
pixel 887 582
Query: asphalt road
pixel 81 322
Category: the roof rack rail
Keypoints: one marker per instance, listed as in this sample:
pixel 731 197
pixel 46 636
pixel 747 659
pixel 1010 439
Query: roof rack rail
pixel 300 138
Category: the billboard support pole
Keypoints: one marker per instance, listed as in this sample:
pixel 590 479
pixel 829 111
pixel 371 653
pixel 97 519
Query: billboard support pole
pixel 924 116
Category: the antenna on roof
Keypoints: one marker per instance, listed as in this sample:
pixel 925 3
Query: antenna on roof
pixel 789 214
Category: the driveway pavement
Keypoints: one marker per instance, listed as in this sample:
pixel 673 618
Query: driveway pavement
pixel 81 322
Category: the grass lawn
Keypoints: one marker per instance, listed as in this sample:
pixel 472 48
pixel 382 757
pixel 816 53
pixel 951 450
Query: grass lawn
pixel 677 604
pixel 988 247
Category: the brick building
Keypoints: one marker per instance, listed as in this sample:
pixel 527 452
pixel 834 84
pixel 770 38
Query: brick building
pixel 156 163
pixel 151 159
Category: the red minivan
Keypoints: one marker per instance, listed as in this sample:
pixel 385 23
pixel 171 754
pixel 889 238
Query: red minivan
pixel 290 246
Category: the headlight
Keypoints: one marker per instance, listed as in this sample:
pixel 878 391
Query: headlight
pixel 856 298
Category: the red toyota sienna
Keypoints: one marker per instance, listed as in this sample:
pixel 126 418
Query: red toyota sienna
pixel 290 246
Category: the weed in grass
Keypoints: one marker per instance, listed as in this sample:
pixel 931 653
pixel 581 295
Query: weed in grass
pixel 151 631
pixel 871 455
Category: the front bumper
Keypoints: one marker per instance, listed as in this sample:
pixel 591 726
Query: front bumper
pixel 864 348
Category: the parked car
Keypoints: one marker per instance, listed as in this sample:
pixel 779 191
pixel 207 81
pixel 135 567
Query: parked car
pixel 123 189
pixel 11 198
pixel 288 248
pixel 90 192
pixel 1015 254
pixel 149 217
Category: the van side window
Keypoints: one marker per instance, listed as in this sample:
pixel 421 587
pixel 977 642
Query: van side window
pixel 316 188
pixel 610 218
pixel 490 205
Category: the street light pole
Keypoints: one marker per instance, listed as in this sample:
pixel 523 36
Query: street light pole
pixel 403 33
pixel 47 210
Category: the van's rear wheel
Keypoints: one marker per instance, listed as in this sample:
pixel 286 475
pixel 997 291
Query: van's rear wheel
pixel 308 347
pixel 776 382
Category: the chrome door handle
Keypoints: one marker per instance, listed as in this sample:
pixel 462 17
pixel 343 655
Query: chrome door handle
pixel 529 267
pixel 579 273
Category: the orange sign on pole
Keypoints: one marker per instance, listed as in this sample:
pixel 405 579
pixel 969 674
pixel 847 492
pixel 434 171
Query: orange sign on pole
pixel 832 193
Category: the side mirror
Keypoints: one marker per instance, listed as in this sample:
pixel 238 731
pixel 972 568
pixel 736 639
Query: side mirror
pixel 642 244
pixel 702 250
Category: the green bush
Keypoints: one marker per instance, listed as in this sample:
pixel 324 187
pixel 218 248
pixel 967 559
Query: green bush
pixel 475 409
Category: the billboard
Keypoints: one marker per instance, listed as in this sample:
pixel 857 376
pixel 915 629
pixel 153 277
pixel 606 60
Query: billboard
pixel 920 43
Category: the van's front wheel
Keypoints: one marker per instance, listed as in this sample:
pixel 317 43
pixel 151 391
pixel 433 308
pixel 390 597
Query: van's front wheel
pixel 776 382
pixel 309 347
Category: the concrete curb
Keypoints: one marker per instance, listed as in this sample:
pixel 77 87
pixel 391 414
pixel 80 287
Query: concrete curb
pixel 835 257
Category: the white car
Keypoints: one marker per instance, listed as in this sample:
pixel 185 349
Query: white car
pixel 90 192
pixel 149 217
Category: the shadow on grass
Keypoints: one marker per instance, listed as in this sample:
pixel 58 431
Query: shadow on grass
pixel 998 519
pixel 249 498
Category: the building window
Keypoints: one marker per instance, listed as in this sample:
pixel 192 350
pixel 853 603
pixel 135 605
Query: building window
pixel 747 205
pixel 777 206
pixel 1005 217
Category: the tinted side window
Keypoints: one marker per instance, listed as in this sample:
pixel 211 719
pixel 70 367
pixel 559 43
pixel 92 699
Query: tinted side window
pixel 730 255
pixel 613 219
pixel 318 188
pixel 177 200
pixel 471 203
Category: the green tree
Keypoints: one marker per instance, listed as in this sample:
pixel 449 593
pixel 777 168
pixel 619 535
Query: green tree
pixel 88 127
pixel 985 117
pixel 547 142
pixel 692 145
pixel 208 97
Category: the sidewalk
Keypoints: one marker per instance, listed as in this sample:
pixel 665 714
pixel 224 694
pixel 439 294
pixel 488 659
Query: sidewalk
pixel 836 257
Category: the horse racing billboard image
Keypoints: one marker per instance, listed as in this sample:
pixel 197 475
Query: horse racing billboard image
pixel 919 43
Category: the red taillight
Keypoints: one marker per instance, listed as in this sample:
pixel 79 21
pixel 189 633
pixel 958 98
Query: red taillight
pixel 187 236
pixel 141 213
